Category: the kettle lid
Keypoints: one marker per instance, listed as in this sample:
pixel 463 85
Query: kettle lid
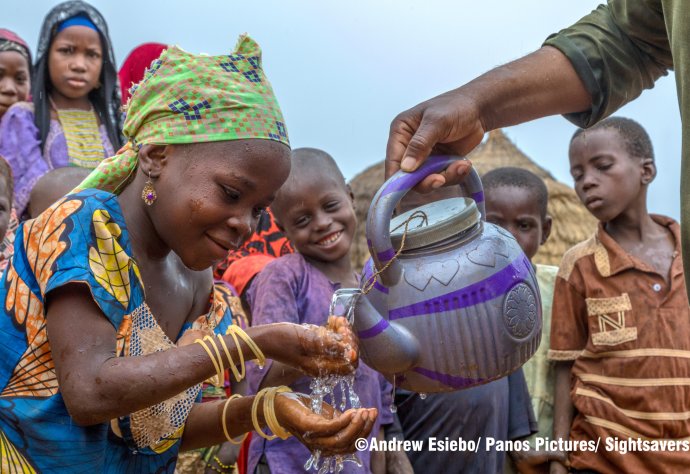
pixel 434 222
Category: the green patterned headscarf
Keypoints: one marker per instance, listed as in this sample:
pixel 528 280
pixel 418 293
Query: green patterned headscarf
pixel 187 98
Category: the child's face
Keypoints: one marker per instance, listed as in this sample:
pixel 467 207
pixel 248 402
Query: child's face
pixel 318 217
pixel 608 180
pixel 5 209
pixel 14 79
pixel 75 61
pixel 210 195
pixel 516 210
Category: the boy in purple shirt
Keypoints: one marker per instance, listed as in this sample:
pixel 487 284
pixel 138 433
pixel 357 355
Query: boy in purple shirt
pixel 315 209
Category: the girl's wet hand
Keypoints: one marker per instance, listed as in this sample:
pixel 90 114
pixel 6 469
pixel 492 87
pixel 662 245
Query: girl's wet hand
pixel 340 326
pixel 317 350
pixel 331 432
pixel 332 349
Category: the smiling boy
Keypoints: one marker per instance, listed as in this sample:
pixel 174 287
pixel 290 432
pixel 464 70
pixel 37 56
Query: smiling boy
pixel 620 312
pixel 315 210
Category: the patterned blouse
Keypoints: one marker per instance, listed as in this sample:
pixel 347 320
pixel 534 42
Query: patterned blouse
pixel 82 238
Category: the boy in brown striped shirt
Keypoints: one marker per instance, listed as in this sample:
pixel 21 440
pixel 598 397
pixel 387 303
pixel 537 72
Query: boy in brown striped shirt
pixel 621 323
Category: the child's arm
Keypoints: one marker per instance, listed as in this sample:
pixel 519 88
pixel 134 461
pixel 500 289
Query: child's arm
pixel 397 462
pixel 97 386
pixel 563 409
pixel 521 424
pixel 378 458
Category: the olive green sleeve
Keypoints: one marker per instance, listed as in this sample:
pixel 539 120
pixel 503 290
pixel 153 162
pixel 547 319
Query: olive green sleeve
pixel 618 50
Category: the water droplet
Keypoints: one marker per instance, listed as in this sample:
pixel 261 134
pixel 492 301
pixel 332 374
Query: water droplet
pixel 422 396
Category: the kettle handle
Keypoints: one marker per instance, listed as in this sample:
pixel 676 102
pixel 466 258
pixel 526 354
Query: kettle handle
pixel 390 194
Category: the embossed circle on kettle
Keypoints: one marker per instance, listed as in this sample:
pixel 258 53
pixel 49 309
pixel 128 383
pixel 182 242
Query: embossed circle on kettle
pixel 453 300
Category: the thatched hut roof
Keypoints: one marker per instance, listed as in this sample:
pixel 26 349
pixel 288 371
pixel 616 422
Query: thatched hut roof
pixel 571 221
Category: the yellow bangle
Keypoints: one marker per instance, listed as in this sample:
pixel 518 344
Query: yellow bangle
pixel 210 354
pixel 269 413
pixel 238 375
pixel 260 357
pixel 255 415
pixel 225 424
pixel 221 366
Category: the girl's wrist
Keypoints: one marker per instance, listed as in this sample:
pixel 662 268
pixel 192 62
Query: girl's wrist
pixel 269 337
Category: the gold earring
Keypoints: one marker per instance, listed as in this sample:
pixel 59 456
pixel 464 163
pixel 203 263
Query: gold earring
pixel 148 194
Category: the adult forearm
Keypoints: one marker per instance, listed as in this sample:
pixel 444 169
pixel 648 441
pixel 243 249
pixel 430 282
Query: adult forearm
pixel 540 84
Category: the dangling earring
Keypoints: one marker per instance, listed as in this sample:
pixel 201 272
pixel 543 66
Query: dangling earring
pixel 148 194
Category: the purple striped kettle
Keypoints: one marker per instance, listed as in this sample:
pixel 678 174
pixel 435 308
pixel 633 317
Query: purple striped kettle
pixel 459 306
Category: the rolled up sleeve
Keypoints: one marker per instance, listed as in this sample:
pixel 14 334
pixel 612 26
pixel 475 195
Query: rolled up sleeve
pixel 618 50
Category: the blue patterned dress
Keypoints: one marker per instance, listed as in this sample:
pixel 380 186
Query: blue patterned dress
pixel 82 238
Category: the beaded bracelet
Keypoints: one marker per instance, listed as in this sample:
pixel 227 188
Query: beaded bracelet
pixel 221 465
pixel 225 423
pixel 214 468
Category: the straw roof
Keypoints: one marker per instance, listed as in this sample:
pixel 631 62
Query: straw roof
pixel 572 223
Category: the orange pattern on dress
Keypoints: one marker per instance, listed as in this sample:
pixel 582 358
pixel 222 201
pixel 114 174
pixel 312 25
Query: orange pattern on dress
pixel 34 374
pixel 123 335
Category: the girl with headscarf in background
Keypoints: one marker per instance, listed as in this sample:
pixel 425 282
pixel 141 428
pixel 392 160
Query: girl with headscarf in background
pixel 15 70
pixel 15 84
pixel 74 118
pixel 134 67
pixel 103 350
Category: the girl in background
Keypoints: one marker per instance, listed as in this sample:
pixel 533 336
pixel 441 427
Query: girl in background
pixel 15 70
pixel 8 219
pixel 73 119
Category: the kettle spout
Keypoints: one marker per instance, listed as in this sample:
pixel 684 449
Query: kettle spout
pixel 385 346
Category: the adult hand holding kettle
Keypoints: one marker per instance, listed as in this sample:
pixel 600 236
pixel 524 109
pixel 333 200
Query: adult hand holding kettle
pixel 540 84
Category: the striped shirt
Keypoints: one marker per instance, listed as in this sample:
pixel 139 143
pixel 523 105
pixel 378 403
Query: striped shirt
pixel 628 333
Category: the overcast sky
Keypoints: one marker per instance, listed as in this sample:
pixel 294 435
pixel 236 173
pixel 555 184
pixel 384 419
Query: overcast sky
pixel 342 70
